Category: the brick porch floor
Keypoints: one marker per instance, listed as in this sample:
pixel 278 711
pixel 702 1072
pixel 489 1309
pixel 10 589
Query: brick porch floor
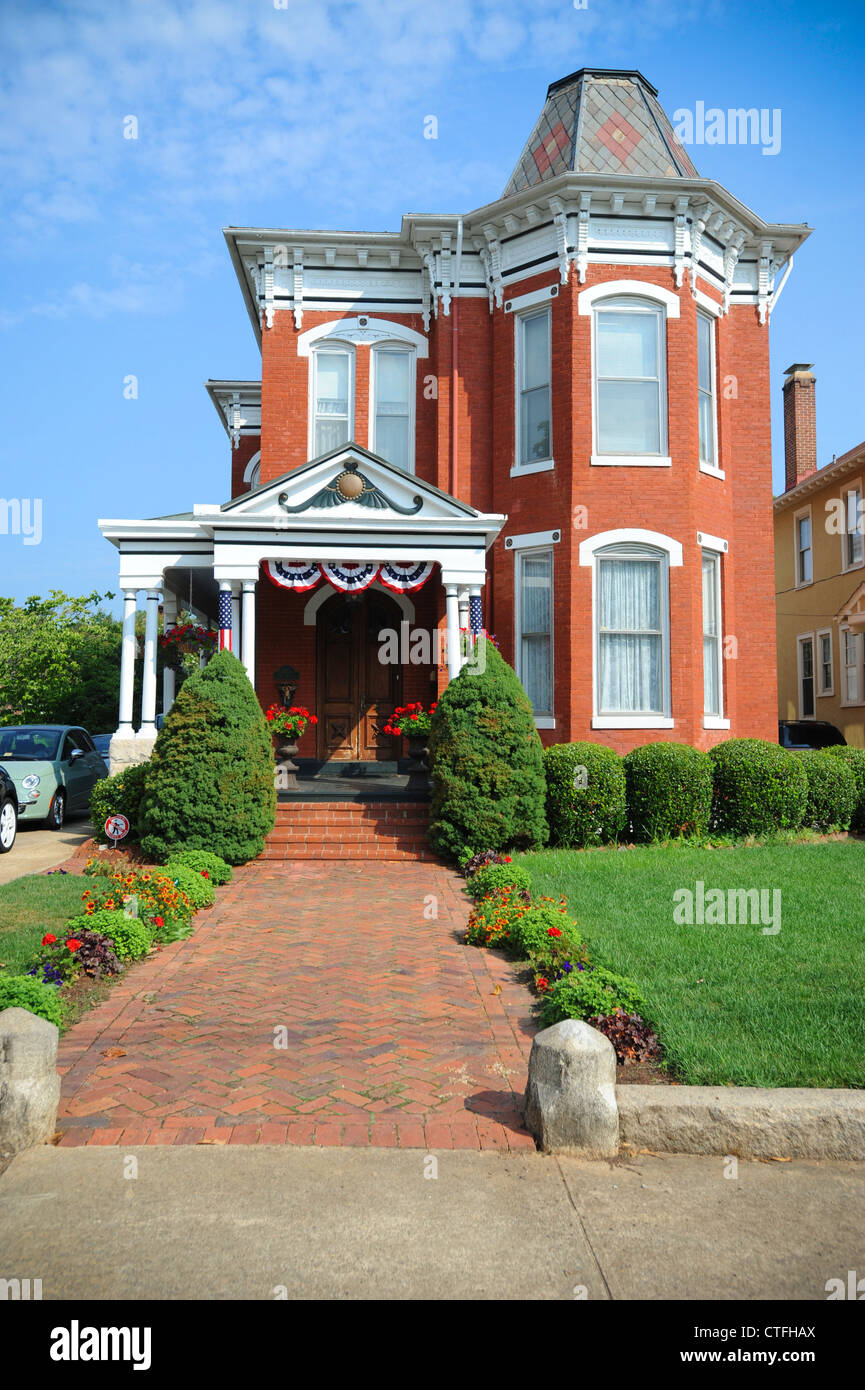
pixel 396 1034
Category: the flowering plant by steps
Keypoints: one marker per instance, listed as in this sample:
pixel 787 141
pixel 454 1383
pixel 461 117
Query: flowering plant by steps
pixel 289 722
pixel 410 721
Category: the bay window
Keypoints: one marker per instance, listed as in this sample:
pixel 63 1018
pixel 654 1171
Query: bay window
pixel 535 630
pixel 713 681
pixel 632 631
pixel 706 389
pixel 630 390
pixel 534 388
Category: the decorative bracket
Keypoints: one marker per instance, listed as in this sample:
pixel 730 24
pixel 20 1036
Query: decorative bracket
pixel 495 263
pixel 447 278
pixel 560 218
pixel 680 229
pixel 698 227
pixel 298 286
pixel 764 275
pixel 236 419
pixel 267 278
pixel 583 236
pixel 732 251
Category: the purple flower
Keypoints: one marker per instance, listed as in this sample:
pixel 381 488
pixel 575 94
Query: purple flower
pixel 567 967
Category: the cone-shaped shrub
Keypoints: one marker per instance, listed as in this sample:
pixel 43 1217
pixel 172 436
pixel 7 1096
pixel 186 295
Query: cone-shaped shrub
pixel 487 762
pixel 585 793
pixel 210 778
pixel 669 791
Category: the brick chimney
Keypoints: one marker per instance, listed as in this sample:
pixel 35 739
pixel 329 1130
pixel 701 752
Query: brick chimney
pixel 800 424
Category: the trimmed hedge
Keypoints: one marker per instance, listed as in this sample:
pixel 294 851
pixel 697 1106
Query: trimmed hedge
pixel 759 787
pixel 487 763
pixel 26 992
pixel 589 991
pixel 669 791
pixel 200 891
pixel 129 935
pixel 496 877
pixel 832 792
pixel 210 780
pixel 854 760
pixel 118 795
pixel 203 862
pixel 585 794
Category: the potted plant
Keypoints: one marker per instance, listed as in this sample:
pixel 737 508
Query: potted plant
pixel 413 722
pixel 287 725
pixel 185 643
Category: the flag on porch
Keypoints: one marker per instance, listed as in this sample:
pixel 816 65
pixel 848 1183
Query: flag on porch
pixel 225 620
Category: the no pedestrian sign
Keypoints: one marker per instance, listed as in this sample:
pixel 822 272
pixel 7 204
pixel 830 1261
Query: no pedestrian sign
pixel 117 827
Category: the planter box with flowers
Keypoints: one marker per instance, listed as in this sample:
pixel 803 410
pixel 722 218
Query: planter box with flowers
pixel 287 726
pixel 413 723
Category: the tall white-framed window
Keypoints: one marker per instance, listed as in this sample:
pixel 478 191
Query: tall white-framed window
pixel 825 671
pixel 630 393
pixel 392 393
pixel 713 657
pixel 534 635
pixel 534 416
pixel 854 540
pixel 805 662
pixel 632 633
pixel 851 657
pixel 706 392
pixel 331 397
pixel 804 553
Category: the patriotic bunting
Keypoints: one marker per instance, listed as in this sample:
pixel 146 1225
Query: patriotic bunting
pixel 403 576
pixel 300 575
pixel 400 576
pixel 349 577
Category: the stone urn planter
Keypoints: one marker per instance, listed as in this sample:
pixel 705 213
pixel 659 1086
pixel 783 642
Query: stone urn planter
pixel 285 751
pixel 419 754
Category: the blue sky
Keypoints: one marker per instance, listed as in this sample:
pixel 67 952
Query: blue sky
pixel 311 115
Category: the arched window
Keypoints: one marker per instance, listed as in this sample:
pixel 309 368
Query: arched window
pixel 392 394
pixel 331 396
pixel 630 395
pixel 252 471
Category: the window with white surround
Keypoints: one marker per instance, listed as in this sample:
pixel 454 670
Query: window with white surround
pixel 804 567
pixel 851 693
pixel 825 676
pixel 393 393
pixel 332 391
pixel 706 389
pixel 713 664
pixel 806 676
pixel 632 647
pixel 534 646
pixel 854 541
pixel 534 437
pixel 629 370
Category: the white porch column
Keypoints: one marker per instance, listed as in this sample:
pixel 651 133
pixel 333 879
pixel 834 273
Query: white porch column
pixel 464 624
pixel 169 618
pixel 148 686
pixel 247 629
pixel 127 666
pixel 453 630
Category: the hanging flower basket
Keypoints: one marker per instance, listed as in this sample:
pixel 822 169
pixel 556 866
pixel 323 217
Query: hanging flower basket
pixel 188 640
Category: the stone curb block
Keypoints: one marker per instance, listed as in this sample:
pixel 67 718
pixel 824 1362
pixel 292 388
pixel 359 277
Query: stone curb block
pixel 29 1083
pixel 747 1121
pixel 571 1091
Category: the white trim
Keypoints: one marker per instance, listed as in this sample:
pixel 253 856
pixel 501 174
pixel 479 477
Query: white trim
pixel 631 721
pixel 629 533
pixel 545 467
pixel 710 305
pixel 326 591
pixel 545 721
pixel 712 472
pixel 714 721
pixel 519 554
pixel 254 462
pixel 532 540
pixel 520 318
pixel 711 542
pixel 362 329
pixel 330 345
pixel 406 350
pixel 631 461
pixel 829 692
pixel 797 516
pixel 586 299
pixel 800 638
pixel 852 485
pixel 525 301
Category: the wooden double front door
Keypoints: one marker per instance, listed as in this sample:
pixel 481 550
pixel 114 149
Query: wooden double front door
pixel 357 693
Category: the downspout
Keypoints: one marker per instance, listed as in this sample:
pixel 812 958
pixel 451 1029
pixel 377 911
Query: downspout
pixel 455 361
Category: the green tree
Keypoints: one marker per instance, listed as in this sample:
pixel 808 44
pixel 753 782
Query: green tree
pixel 59 661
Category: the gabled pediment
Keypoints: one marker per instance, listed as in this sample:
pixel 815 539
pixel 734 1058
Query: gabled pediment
pixel 347 484
pixel 853 612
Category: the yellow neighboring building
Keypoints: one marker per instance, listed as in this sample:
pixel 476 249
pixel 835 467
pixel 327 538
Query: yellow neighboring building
pixel 819 574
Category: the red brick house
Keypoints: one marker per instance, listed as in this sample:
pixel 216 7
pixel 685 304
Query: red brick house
pixel 549 416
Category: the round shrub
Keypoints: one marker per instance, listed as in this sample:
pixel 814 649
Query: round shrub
pixel 495 877
pixel 854 760
pixel 587 991
pixel 25 992
pixel 585 794
pixel 210 781
pixel 487 762
pixel 831 790
pixel 203 862
pixel 129 935
pixel 118 795
pixel 200 891
pixel 758 787
pixel 491 921
pixel 669 791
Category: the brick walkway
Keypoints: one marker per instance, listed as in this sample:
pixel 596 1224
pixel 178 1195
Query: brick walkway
pixel 395 1033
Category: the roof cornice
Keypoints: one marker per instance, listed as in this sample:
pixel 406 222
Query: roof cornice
pixel 823 477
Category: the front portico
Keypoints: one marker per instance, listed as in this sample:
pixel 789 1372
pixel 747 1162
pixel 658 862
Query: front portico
pixel 301 572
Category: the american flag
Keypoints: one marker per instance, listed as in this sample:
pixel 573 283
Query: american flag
pixel 476 613
pixel 225 620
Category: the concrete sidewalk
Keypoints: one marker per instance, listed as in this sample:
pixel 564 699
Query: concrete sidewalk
pixel 226 1222
pixel 37 849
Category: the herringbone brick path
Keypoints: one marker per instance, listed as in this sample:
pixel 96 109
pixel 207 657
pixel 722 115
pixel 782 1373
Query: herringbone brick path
pixel 314 1004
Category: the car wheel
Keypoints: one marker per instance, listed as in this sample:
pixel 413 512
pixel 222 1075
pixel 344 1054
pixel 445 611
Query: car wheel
pixel 8 826
pixel 57 811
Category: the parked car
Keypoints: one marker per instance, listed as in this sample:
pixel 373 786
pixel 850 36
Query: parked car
pixel 54 768
pixel 8 811
pixel 808 733
pixel 102 743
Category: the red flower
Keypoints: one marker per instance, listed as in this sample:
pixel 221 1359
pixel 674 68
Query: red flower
pixel 72 943
pixel 159 921
pixel 553 931
pixel 205 874
pixel 507 859
pixel 542 982
pixel 48 939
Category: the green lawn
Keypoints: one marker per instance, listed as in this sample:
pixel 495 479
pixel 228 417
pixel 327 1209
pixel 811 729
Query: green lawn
pixel 30 907
pixel 731 1004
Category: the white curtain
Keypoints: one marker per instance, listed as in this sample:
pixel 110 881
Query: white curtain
pixel 711 637
pixel 630 636
pixel 535 630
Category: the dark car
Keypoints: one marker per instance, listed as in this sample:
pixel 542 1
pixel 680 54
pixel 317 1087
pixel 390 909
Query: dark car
pixel 102 744
pixel 808 733
pixel 8 812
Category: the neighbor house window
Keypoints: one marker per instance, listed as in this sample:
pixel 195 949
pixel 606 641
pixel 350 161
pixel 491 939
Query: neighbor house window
pixel 534 390
pixel 854 541
pixel 706 388
pixel 825 678
pixel 806 677
pixel 333 406
pixel 713 697
pixel 632 630
pixel 393 391
pixel 630 394
pixel 803 549
pixel 850 646
pixel 535 636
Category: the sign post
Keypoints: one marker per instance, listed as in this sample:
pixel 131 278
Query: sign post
pixel 116 828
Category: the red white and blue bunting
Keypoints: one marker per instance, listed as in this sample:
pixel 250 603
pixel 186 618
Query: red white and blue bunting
pixel 300 575
pixel 403 576
pixel 348 576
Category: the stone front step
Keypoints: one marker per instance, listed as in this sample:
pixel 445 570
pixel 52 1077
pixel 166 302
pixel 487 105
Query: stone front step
pixel 349 830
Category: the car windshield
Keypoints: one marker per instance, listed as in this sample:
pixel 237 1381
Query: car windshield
pixel 28 744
